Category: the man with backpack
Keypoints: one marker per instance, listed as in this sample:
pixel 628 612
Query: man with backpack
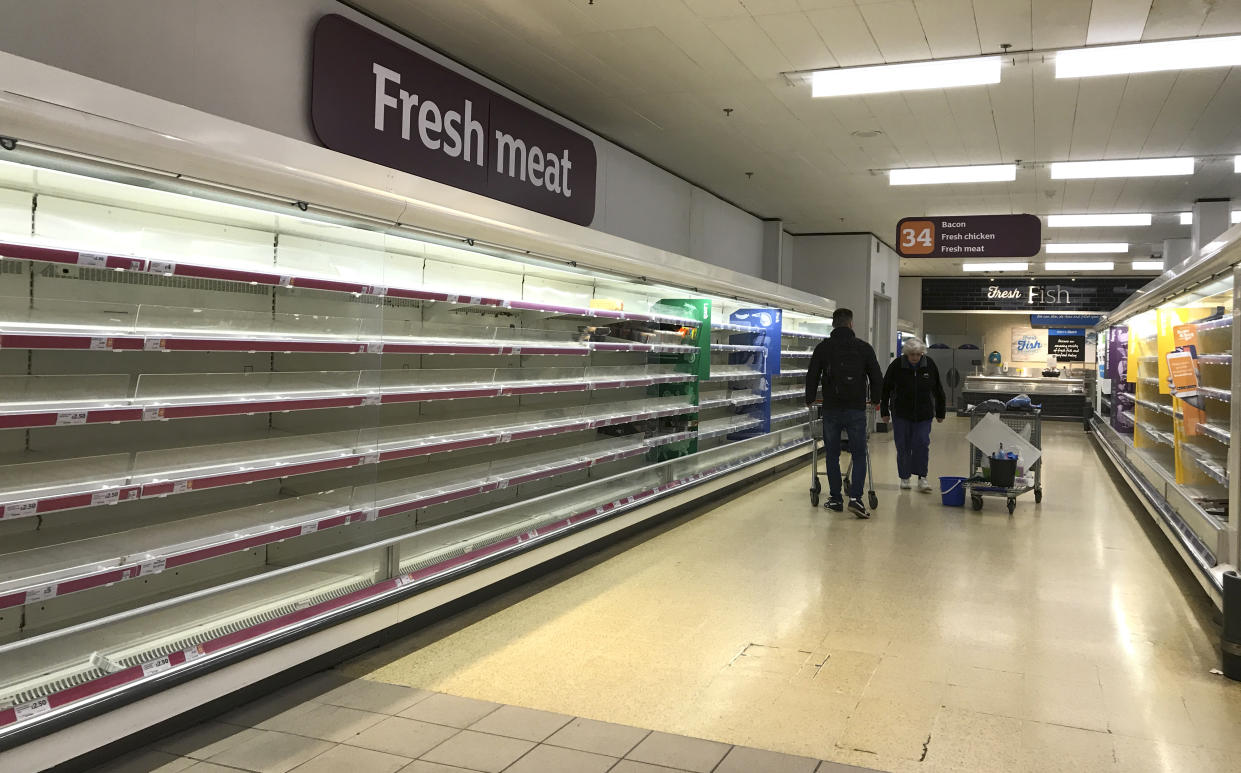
pixel 850 374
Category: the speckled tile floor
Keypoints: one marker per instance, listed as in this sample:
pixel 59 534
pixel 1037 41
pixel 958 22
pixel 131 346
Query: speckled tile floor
pixel 927 638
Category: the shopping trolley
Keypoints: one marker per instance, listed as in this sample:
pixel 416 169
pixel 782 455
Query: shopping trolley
pixel 817 449
pixel 1028 424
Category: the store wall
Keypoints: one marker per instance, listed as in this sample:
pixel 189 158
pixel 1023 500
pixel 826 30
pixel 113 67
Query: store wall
pixel 249 61
pixel 851 269
pixel 992 332
pixel 910 308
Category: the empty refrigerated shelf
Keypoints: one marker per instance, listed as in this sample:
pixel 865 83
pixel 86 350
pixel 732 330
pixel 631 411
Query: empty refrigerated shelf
pixel 726 425
pixel 709 401
pixel 1217 432
pixel 733 373
pixel 1215 359
pixel 43 487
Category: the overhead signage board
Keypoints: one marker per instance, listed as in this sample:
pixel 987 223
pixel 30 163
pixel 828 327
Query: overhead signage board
pixel 375 99
pixel 1067 344
pixel 969 236
pixel 1087 294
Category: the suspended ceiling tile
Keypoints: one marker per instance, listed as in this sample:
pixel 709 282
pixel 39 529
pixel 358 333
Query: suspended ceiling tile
pixel 1097 105
pixel 1059 23
pixel 847 37
pixel 1224 18
pixel 538 19
pixel 797 40
pixel 1105 195
pixel 765 7
pixel 1193 91
pixel 1142 101
pixel 930 110
pixel 609 16
pixel 1003 21
pixel 1175 18
pixel 897 30
pixel 751 44
pixel 712 9
pixel 1219 127
pixel 975 119
pixel 653 62
pixel 949 27
pixel 901 130
pixel 1117 21
pixel 1055 102
pixel 706 50
pixel 1013 103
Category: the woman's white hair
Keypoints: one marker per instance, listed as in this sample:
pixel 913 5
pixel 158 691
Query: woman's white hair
pixel 913 346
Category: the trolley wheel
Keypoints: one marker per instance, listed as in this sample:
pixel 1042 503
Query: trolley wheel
pixel 1038 495
pixel 976 502
pixel 1012 505
pixel 814 498
pixel 874 500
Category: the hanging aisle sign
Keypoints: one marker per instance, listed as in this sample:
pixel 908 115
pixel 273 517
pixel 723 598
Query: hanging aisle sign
pixel 969 236
pixel 372 98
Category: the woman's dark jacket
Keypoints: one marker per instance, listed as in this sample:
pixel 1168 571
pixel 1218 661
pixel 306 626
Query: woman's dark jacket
pixel 913 393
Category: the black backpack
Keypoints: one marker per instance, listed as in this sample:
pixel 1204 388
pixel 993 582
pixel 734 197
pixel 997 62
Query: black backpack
pixel 845 376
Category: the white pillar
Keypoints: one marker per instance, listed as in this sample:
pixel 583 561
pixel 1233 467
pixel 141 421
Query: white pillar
pixel 1210 220
pixel 1176 252
pixel 773 245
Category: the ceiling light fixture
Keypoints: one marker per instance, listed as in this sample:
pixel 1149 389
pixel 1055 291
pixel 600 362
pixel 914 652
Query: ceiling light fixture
pixel 995 267
pixel 1086 221
pixel 936 175
pixel 1192 54
pixel 1147 265
pixel 1087 247
pixel 1080 266
pixel 911 76
pixel 1138 167
pixel 1234 217
pixel 1236 164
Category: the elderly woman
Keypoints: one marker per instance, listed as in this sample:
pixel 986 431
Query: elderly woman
pixel 912 395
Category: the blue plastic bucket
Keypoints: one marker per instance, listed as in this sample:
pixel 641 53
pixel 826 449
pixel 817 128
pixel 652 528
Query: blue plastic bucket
pixel 952 491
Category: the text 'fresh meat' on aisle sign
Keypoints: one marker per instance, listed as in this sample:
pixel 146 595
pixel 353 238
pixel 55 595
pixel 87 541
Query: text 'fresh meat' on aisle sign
pixel 375 99
pixel 969 236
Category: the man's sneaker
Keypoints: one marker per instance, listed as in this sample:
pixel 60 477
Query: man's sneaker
pixel 835 504
pixel 905 484
pixel 924 485
pixel 858 508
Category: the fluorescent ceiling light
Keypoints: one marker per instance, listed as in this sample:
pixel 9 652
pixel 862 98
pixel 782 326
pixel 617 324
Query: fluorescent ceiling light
pixel 953 174
pixel 1138 167
pixel 1147 265
pixel 1088 247
pixel 1192 54
pixel 1080 266
pixel 913 76
pixel 1236 164
pixel 995 267
pixel 1187 218
pixel 1085 221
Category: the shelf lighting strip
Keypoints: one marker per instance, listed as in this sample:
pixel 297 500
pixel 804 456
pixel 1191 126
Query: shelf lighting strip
pixel 722 402
pixel 127 567
pixel 1220 395
pixel 737 348
pixel 787 394
pixel 1215 359
pixel 796 353
pixel 739 375
pixel 191 270
pixel 733 327
pixel 99 493
pixel 1153 406
pixel 137 409
pixel 801 372
pixel 1216 432
pixel 717 427
pixel 1215 324
pixel 60 699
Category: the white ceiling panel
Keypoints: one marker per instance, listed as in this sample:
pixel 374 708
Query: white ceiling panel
pixel 752 45
pixel 797 40
pixel 846 35
pixel 897 30
pixel 1059 23
pixel 1192 92
pixel 1176 18
pixel 1097 104
pixel 1116 21
pixel 1143 99
pixel 655 76
pixel 1003 21
pixel 949 27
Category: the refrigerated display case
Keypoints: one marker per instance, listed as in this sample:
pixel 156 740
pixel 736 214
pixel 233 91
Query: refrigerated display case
pixel 1165 405
pixel 223 426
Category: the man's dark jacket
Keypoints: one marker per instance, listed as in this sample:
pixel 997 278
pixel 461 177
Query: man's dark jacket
pixel 913 393
pixel 824 355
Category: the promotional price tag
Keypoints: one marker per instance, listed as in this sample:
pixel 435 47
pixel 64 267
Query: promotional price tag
pixel 38 595
pixel 70 417
pixel 375 347
pixel 100 344
pixel 502 485
pixel 286 281
pixel 372 515
pixel 309 528
pixel 506 437
pixel 452 299
pixel 152 414
pixel 372 399
pixel 92 260
pixel 516 350
pixel 182 486
pixel 153 344
pixel 156 666
pixel 371 458
pixel 376 290
pixel 33 709
pixel 105 497
pixel 21 509
pixel 193 653
pixel 161 267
